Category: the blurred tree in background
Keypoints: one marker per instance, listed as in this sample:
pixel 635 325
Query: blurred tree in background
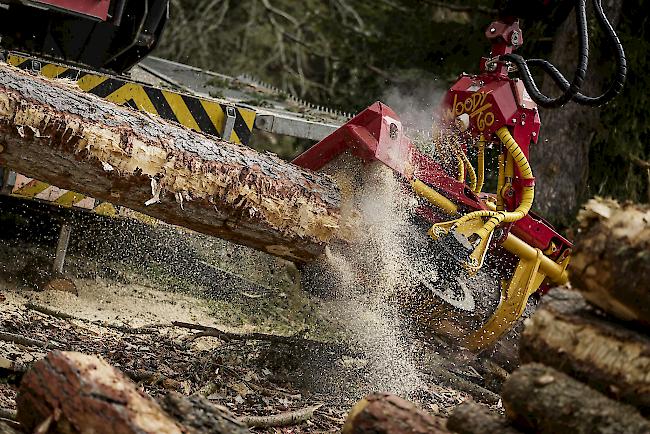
pixel 345 54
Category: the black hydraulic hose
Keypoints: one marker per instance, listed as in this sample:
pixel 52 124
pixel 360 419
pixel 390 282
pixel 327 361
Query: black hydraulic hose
pixel 581 71
pixel 617 83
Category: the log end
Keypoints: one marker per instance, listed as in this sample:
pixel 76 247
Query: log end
pixel 390 414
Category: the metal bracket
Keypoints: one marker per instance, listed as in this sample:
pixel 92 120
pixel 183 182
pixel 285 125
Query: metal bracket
pixel 36 66
pixel 229 123
pixel 514 297
pixel 62 247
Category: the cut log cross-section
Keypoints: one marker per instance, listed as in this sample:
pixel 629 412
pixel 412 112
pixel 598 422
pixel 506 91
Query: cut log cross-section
pixel 51 131
pixel 611 263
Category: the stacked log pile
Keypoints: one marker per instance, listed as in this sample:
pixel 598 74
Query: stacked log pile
pixel 586 351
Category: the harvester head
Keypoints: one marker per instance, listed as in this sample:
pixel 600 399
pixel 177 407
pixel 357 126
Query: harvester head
pixel 488 247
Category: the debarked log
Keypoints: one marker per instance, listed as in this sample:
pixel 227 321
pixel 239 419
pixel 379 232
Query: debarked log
pixel 51 131
pixel 569 335
pixel 540 399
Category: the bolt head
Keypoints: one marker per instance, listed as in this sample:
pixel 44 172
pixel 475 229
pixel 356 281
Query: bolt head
pixel 492 30
pixel 515 39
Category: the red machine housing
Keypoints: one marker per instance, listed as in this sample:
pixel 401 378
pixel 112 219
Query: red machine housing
pixel 487 102
pixel 376 134
pixel 91 8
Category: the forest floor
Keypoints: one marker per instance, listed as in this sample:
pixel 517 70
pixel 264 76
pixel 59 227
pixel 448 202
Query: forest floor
pixel 132 280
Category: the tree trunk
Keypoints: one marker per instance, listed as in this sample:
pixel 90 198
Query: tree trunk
pixel 58 134
pixel 543 400
pixel 561 158
pixel 611 263
pixel 382 413
pixel 565 333
pixel 472 418
pixel 71 393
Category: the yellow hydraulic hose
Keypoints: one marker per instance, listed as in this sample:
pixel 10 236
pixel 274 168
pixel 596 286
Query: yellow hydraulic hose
pixel 528 194
pixel 434 197
pixel 501 182
pixel 480 178
pixel 461 165
pixel 510 169
pixel 471 174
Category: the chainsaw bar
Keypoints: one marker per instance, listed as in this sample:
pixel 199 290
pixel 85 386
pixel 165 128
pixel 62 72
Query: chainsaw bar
pixel 277 111
pixel 290 99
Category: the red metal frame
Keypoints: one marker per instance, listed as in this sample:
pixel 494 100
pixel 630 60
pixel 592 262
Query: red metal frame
pixel 488 101
pixel 92 8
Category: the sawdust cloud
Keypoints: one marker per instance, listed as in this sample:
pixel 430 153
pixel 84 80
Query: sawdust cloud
pixel 375 268
pixel 415 101
pixel 369 272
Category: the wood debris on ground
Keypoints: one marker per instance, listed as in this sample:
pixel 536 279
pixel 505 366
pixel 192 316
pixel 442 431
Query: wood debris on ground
pixel 277 378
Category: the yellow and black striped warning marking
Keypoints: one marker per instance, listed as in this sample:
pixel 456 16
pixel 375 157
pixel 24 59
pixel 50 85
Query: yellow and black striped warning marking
pixel 196 113
pixel 30 188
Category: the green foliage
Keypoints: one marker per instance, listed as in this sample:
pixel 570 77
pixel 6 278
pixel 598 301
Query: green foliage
pixel 339 53
pixel 345 54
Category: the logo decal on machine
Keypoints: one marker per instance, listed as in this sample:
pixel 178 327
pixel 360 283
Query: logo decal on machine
pixel 476 107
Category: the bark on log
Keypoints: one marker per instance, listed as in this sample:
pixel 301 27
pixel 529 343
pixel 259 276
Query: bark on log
pixel 198 415
pixel 543 400
pixel 74 393
pixel 567 334
pixel 51 131
pixel 383 413
pixel 611 262
pixel 472 418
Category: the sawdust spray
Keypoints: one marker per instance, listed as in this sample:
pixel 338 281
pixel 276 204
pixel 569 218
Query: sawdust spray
pixel 371 270
pixel 368 271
